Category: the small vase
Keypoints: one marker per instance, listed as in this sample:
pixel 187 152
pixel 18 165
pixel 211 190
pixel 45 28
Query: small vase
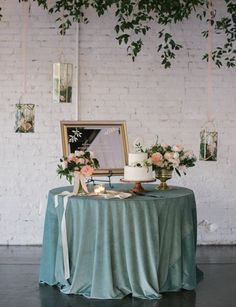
pixel 163 175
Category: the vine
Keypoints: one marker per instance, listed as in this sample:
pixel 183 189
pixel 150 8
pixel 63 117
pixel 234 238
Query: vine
pixel 134 18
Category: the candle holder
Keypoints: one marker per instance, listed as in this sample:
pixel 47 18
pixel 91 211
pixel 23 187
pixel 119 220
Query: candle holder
pixel 99 189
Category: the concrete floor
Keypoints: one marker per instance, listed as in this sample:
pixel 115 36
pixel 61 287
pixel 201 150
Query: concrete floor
pixel 19 283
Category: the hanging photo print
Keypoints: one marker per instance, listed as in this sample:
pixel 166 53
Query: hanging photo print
pixel 208 145
pixel 24 118
pixel 62 82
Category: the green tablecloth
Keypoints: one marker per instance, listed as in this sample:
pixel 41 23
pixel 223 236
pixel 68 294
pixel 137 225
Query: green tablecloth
pixel 141 245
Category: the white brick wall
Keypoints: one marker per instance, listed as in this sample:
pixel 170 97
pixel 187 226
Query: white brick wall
pixel 171 103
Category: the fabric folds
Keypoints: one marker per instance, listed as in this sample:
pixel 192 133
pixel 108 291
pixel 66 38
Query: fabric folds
pixel 141 246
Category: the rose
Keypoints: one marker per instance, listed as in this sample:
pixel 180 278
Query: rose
pixel 169 155
pixel 177 148
pixel 157 158
pixel 86 170
pixel 163 145
pixel 189 155
pixel 71 157
pixel 79 153
pixel 176 155
pixel 26 126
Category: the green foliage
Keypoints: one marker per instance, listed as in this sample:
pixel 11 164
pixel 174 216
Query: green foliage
pixel 134 18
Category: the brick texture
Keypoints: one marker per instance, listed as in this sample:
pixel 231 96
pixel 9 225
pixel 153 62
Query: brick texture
pixel 169 103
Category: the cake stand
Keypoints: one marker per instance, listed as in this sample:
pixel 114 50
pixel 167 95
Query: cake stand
pixel 137 185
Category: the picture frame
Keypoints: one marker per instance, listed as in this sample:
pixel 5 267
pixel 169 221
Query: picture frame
pixel 106 139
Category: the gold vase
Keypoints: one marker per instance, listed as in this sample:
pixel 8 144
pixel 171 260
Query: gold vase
pixel 163 175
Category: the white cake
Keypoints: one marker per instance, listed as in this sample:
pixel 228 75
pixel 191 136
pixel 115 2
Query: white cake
pixel 136 170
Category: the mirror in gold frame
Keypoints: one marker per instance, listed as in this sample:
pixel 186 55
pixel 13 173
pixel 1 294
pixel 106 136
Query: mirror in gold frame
pixel 107 139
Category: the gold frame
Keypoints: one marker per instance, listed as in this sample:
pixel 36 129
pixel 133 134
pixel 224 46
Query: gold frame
pixel 73 124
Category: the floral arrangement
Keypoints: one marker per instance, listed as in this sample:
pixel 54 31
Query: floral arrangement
pixel 171 157
pixel 83 162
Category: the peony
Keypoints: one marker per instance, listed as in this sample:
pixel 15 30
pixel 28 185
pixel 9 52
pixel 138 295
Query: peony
pixel 177 148
pixel 79 153
pixel 176 155
pixel 169 155
pixel 86 170
pixel 157 158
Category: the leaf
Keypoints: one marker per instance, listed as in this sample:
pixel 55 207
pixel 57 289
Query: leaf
pixel 177 171
pixel 117 28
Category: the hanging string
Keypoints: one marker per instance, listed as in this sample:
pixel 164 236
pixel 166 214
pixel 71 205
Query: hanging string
pixel 209 66
pixel 24 41
pixel 62 33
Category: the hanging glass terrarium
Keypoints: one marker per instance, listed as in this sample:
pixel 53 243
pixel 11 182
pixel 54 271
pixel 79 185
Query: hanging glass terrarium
pixel 62 82
pixel 208 144
pixel 24 118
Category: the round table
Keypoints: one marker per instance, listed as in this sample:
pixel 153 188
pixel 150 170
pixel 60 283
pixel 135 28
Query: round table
pixel 142 245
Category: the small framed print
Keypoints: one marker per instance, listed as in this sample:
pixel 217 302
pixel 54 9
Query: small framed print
pixel 24 118
pixel 208 145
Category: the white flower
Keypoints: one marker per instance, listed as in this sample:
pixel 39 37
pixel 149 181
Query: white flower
pixel 176 155
pixel 189 155
pixel 64 164
pixel 177 148
pixel 163 145
pixel 79 153
pixel 92 155
pixel 175 162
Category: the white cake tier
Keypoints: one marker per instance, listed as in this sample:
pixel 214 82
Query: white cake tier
pixel 138 173
pixel 138 157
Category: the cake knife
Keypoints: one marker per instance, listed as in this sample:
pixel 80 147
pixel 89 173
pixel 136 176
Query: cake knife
pixel 149 195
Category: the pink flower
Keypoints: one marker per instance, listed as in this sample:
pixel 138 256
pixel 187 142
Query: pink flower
pixel 177 148
pixel 86 170
pixel 71 157
pixel 79 153
pixel 157 158
pixel 163 145
pixel 189 155
pixel 169 155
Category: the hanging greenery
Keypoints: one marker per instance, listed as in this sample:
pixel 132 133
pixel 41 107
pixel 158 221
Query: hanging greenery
pixel 134 18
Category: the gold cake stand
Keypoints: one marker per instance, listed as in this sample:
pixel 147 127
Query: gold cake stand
pixel 137 185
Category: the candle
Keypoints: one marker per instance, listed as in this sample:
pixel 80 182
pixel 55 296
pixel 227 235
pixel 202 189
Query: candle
pixel 99 189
